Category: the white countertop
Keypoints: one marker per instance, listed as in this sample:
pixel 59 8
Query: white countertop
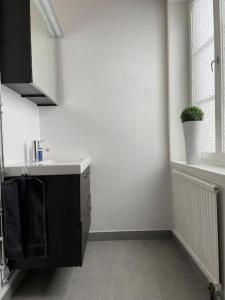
pixel 49 167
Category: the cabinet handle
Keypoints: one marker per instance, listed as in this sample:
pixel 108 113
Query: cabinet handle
pixel 215 62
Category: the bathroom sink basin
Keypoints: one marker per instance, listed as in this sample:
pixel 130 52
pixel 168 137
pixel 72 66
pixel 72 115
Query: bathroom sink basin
pixel 49 167
pixel 45 162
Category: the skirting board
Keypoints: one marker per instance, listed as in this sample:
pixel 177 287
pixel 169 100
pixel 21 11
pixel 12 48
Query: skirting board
pixel 7 291
pixel 129 235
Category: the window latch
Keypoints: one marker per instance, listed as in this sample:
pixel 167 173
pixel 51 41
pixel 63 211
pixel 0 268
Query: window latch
pixel 215 61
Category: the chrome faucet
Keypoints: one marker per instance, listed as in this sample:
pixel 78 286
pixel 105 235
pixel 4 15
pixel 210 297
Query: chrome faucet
pixel 35 145
pixel 38 150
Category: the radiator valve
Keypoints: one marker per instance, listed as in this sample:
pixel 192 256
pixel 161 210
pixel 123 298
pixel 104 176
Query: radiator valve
pixel 215 291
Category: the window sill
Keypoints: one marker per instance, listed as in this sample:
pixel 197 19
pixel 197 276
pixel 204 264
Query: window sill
pixel 205 171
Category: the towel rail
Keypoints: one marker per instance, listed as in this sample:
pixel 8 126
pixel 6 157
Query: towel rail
pixel 5 273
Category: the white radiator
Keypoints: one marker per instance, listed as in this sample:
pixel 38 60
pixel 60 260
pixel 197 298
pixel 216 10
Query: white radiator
pixel 195 221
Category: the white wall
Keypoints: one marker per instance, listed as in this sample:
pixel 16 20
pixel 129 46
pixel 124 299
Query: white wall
pixel 114 108
pixel 178 75
pixel 20 125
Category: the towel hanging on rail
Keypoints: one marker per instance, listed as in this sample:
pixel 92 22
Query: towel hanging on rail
pixel 12 228
pixel 24 218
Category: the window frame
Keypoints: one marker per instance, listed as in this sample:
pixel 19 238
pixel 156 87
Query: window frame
pixel 219 156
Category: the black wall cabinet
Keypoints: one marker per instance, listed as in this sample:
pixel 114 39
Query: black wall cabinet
pixel 28 52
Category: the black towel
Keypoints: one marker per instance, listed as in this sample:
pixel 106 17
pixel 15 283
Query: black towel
pixel 24 218
pixel 12 227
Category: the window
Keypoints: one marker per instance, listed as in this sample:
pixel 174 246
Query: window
pixel 223 66
pixel 207 52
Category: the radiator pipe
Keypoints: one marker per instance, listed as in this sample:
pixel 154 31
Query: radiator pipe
pixel 215 291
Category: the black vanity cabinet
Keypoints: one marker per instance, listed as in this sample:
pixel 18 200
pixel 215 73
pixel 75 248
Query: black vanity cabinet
pixel 68 216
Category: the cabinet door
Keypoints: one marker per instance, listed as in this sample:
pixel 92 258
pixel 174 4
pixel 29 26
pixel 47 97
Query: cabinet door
pixel 63 242
pixel 84 193
pixel 85 211
pixel 53 67
pixel 39 45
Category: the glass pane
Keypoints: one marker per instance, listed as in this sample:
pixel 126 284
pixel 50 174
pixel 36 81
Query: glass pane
pixel 223 62
pixel 202 23
pixel 208 128
pixel 203 77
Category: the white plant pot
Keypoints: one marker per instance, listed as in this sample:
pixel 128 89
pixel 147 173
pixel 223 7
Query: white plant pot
pixel 192 136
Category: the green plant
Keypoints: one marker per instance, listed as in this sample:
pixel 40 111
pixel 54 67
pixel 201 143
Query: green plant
pixel 192 113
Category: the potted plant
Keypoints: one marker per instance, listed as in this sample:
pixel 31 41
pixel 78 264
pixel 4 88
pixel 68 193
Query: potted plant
pixel 192 117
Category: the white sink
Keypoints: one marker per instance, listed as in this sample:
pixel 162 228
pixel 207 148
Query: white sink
pixel 44 162
pixel 49 167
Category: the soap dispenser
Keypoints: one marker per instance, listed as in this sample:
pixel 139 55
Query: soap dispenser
pixel 40 152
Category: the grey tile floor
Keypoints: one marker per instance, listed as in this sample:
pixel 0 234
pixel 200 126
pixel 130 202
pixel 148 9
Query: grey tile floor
pixel 120 270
